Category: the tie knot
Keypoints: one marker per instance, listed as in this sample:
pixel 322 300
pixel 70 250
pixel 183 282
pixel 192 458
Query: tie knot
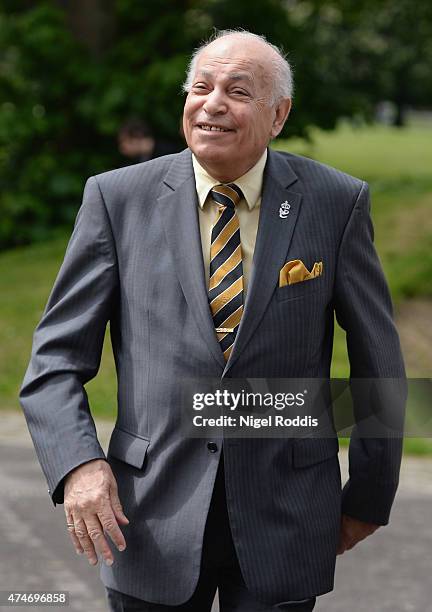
pixel 227 195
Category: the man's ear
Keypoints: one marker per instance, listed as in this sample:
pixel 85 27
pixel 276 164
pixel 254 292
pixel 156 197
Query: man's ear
pixel 283 108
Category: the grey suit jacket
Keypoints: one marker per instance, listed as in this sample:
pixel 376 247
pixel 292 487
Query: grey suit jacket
pixel 135 260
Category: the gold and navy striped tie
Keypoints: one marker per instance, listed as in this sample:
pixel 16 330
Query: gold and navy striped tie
pixel 226 268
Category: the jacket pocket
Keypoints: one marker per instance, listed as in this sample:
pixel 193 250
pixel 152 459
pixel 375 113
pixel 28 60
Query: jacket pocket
pixel 301 289
pixel 128 447
pixel 309 451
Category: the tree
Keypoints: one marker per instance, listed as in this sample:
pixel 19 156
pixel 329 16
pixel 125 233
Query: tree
pixel 63 99
pixel 69 76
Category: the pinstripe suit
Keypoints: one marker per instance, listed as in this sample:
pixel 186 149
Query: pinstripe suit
pixel 135 260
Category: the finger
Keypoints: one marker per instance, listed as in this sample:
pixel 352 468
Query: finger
pixel 372 530
pixel 71 530
pixel 341 548
pixel 116 505
pixel 110 526
pixel 343 541
pixel 355 539
pixel 121 518
pixel 76 543
pixel 85 541
pixel 96 534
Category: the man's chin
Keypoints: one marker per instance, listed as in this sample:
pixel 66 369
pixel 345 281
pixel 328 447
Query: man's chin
pixel 213 153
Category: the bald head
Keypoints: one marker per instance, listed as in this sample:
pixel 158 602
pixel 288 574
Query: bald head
pixel 234 105
pixel 274 67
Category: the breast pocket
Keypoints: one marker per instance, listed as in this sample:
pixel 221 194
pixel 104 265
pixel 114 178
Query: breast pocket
pixel 301 289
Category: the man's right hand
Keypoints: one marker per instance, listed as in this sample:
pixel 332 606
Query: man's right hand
pixel 92 507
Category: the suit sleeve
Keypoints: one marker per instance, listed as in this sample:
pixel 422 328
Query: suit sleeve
pixel 67 346
pixel 377 376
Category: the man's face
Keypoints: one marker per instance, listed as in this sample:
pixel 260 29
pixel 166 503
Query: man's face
pixel 228 120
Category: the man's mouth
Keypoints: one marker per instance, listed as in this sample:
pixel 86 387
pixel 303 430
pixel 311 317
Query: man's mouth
pixel 212 128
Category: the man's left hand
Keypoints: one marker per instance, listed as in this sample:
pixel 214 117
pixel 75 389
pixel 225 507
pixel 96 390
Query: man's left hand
pixel 353 531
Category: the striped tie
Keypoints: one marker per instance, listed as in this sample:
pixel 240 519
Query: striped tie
pixel 226 269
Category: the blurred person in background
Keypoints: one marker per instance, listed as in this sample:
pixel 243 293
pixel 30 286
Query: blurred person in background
pixel 163 251
pixel 137 142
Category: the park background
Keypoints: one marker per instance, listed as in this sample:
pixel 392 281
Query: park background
pixel 71 72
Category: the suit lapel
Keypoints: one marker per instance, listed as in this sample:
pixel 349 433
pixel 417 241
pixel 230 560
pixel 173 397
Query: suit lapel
pixel 178 206
pixel 274 236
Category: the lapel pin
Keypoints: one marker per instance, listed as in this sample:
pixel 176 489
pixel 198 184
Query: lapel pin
pixel 284 209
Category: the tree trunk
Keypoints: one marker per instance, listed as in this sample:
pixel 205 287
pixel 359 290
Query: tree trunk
pixel 92 22
pixel 399 120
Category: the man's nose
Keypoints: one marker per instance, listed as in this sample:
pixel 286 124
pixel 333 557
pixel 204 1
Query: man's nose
pixel 215 103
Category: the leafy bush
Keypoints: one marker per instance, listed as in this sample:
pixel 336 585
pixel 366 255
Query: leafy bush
pixel 61 105
pixel 71 71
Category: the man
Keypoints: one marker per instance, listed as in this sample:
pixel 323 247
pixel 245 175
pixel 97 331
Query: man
pixel 163 250
pixel 137 142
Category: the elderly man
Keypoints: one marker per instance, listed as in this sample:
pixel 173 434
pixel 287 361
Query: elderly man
pixel 227 260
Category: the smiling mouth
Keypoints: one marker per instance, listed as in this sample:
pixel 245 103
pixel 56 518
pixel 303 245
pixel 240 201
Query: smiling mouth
pixel 212 128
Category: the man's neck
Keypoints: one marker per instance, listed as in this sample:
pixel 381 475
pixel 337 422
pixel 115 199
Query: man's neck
pixel 226 175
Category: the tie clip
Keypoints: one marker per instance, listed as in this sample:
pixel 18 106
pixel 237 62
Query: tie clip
pixel 224 330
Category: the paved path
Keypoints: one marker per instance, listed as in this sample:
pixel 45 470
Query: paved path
pixel 390 572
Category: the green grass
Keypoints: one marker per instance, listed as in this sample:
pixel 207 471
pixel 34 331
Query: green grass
pixel 411 446
pixel 375 153
pixel 26 278
pixel 395 162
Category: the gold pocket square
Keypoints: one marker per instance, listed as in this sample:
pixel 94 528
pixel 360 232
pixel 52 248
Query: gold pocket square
pixel 296 272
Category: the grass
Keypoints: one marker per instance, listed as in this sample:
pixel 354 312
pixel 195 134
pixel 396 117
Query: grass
pixel 375 153
pixel 395 162
pixel 26 277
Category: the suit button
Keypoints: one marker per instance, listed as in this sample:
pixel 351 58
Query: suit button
pixel 212 446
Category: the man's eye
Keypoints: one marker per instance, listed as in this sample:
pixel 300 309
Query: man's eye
pixel 200 86
pixel 240 92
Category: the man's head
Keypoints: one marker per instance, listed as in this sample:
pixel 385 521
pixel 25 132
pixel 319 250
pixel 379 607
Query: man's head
pixel 239 96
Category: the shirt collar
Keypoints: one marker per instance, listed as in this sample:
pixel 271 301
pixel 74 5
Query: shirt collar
pixel 250 183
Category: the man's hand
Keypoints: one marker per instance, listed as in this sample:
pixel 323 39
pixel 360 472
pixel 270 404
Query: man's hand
pixel 353 531
pixel 92 507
